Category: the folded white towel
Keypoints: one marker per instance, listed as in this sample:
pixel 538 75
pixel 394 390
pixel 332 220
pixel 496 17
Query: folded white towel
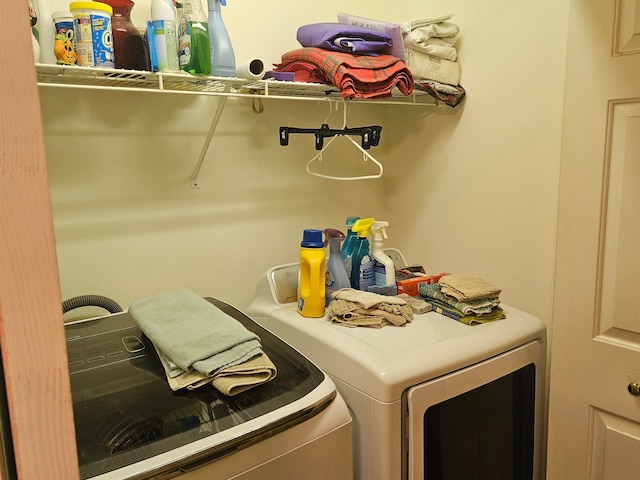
pixel 434 36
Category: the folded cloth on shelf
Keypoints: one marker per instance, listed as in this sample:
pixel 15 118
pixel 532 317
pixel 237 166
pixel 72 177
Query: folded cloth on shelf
pixel 355 308
pixel 449 94
pixel 434 36
pixel 343 38
pixel 193 336
pixel 357 76
pixel 466 286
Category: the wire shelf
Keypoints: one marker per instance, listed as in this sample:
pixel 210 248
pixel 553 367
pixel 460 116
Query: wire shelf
pixel 132 80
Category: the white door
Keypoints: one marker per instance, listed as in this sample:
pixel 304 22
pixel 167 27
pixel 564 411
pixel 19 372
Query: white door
pixel 594 420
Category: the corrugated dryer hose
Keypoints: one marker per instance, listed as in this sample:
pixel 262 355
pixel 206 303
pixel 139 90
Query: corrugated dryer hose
pixel 91 301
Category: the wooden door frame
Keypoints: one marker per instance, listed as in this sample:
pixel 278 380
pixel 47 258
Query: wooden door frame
pixel 32 340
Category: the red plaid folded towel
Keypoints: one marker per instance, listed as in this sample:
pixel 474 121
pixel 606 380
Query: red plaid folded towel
pixel 357 76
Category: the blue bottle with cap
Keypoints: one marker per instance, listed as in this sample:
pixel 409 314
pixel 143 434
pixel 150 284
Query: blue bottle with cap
pixel 362 273
pixel 311 275
pixel 347 247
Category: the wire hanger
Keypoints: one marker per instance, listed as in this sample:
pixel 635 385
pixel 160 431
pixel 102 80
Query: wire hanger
pixel 370 136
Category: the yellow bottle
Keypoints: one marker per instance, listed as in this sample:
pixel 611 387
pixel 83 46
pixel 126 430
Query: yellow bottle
pixel 311 275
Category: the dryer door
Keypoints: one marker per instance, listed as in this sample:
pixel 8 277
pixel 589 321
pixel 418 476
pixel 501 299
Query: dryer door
pixel 479 422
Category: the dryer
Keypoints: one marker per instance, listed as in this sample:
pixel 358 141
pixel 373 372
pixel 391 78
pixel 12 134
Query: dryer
pixel 433 399
pixel 131 425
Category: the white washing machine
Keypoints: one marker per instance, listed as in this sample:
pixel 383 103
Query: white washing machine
pixel 131 425
pixel 433 399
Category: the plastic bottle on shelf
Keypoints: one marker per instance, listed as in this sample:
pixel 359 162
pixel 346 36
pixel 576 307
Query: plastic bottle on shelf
pixel 45 30
pixel 128 46
pixel 336 276
pixel 194 51
pixel 384 269
pixel 311 275
pixel 163 17
pixel 223 60
pixel 347 246
pixel 362 274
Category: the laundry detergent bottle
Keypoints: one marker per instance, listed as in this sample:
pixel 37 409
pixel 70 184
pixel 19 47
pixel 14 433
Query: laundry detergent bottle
pixel 347 247
pixel 165 38
pixel 223 60
pixel 336 276
pixel 362 274
pixel 311 275
pixel 383 267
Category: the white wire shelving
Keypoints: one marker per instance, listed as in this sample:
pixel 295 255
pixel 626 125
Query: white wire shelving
pixel 111 79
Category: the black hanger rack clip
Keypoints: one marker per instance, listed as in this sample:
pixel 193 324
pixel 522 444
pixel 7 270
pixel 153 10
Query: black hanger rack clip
pixel 370 135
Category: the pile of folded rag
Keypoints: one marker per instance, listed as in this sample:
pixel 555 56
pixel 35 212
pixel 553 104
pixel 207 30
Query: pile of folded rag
pixel 465 297
pixel 349 57
pixel 357 308
pixel 199 344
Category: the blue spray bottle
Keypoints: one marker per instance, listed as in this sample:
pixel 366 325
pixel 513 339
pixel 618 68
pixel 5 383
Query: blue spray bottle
pixel 223 60
pixel 347 247
pixel 336 275
pixel 362 273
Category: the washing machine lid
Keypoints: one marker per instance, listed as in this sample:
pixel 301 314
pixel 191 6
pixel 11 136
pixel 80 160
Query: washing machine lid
pixel 130 424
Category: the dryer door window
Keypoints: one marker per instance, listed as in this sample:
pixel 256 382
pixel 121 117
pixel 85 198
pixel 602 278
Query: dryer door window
pixel 477 423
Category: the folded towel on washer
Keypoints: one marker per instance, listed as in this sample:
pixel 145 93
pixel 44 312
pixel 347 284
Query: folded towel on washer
pixel 466 286
pixel 477 306
pixel 192 335
pixel 471 319
pixel 230 380
pixel 355 308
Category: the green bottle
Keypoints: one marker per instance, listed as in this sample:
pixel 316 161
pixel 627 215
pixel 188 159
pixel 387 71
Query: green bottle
pixel 193 38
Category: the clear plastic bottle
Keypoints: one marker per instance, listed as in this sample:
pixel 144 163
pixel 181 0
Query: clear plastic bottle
pixel 223 60
pixel 163 16
pixel 336 276
pixel 311 275
pixel 385 272
pixel 194 50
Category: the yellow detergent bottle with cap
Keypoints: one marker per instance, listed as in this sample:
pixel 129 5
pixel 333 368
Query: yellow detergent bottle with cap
pixel 362 274
pixel 311 275
pixel 384 269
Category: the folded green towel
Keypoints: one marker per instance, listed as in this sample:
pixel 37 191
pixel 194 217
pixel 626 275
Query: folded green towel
pixel 193 333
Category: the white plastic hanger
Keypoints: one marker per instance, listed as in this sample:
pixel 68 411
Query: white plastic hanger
pixel 366 156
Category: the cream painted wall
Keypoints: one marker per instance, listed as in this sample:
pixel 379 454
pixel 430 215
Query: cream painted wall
pixel 471 189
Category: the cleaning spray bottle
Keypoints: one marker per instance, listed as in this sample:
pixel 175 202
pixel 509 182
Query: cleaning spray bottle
pixel 194 48
pixel 362 274
pixel 223 60
pixel 311 275
pixel 385 273
pixel 336 276
pixel 347 247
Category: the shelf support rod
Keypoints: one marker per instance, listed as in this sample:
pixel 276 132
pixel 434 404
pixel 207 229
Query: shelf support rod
pixel 207 140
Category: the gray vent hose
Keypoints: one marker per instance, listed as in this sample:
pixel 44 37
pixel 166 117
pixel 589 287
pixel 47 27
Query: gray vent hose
pixel 91 301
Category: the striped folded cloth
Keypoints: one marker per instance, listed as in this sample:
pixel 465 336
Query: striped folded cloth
pixel 357 76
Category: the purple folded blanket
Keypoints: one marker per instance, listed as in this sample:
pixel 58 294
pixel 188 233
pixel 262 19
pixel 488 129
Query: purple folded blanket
pixel 345 38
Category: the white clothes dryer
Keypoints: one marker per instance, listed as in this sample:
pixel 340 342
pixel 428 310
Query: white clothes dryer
pixel 432 399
